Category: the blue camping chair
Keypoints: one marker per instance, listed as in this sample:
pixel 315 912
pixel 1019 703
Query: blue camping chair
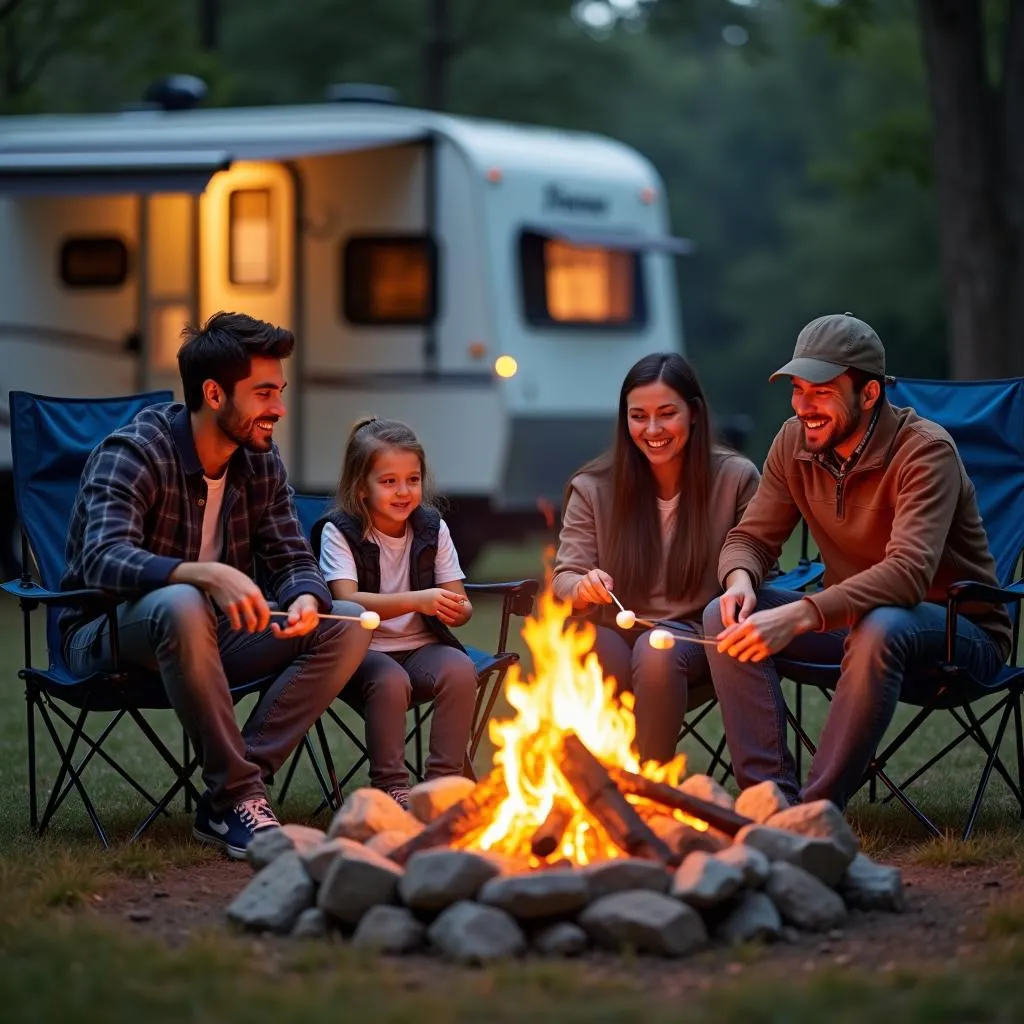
pixel 51 439
pixel 986 419
pixel 491 668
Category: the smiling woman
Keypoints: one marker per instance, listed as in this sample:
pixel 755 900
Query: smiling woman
pixel 643 524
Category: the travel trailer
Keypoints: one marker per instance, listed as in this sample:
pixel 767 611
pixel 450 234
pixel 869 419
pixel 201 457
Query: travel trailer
pixel 488 283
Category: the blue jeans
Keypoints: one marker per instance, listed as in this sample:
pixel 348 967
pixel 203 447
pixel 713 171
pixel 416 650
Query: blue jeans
pixel 660 681
pixel 176 630
pixel 874 656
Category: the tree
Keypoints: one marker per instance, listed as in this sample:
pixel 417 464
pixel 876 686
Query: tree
pixel 973 52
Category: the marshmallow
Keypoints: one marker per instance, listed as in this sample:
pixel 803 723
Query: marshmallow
pixel 369 620
pixel 625 619
pixel 662 640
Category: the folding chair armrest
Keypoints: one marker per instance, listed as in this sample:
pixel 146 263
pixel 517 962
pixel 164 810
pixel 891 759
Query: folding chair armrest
pixel 88 597
pixel 517 595
pixel 805 574
pixel 971 590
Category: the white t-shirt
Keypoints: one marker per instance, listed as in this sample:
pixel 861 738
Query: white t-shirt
pixel 403 632
pixel 213 528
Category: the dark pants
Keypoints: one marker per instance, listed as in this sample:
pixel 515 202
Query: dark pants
pixel 176 631
pixel 873 656
pixel 386 685
pixel 660 681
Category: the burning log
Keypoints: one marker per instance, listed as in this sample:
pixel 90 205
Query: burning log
pixel 601 797
pixel 469 814
pixel 548 837
pixel 717 817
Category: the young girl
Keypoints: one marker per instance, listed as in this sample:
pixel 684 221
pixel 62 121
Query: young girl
pixel 387 548
pixel 647 520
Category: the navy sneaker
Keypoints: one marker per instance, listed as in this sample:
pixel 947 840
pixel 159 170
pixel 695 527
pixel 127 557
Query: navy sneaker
pixel 233 830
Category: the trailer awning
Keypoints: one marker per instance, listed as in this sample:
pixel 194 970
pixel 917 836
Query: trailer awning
pixel 177 162
pixel 613 238
pixel 105 173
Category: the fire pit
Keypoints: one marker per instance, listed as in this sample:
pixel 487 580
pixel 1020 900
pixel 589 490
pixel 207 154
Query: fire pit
pixel 569 842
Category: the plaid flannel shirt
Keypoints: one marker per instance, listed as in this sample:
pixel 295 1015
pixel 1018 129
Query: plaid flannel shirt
pixel 139 514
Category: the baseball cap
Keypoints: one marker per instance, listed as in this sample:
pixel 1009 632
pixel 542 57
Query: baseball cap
pixel 832 344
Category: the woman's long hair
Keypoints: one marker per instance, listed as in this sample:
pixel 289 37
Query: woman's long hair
pixel 368 437
pixel 635 558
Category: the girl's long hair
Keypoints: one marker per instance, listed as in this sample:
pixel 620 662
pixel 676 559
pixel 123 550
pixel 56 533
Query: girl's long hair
pixel 635 558
pixel 368 437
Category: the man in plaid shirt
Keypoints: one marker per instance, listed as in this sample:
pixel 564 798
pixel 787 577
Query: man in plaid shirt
pixel 173 514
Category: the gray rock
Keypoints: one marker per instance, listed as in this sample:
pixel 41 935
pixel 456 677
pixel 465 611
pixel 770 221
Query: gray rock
pixel 870 886
pixel 318 859
pixel 754 918
pixel 430 799
pixel 825 858
pixel 704 881
pixel 473 934
pixel 369 811
pixel 388 929
pixel 312 924
pixel 820 819
pixel 539 894
pixel 356 882
pixel 606 877
pixel 434 879
pixel 761 802
pixel 561 939
pixel 752 864
pixel 705 788
pixel 274 898
pixel 648 922
pixel 269 843
pixel 802 899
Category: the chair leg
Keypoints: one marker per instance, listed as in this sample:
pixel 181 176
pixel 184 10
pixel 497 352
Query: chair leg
pixel 182 782
pixel 329 762
pixel 418 740
pixel 986 773
pixel 799 727
pixel 982 740
pixel 1020 749
pixel 186 757
pixel 292 765
pixel 478 733
pixel 31 698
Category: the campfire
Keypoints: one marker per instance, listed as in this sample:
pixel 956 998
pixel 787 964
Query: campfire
pixel 567 785
pixel 566 843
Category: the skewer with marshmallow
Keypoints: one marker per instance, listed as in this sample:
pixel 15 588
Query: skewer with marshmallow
pixel 660 639
pixel 368 620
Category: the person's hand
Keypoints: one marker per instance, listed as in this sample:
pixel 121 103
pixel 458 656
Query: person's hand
pixel 303 617
pixel 739 599
pixel 460 617
pixel 237 597
pixel 595 587
pixel 445 604
pixel 766 633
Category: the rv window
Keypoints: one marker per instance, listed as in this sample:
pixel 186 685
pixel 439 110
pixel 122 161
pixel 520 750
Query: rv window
pixel 251 240
pixel 389 280
pixel 572 285
pixel 99 262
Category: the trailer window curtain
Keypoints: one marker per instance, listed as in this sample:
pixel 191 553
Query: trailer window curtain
pixel 566 284
pixel 389 280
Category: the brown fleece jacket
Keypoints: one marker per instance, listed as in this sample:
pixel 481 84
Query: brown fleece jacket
pixel 587 525
pixel 899 528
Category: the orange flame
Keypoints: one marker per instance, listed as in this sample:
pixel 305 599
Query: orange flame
pixel 567 692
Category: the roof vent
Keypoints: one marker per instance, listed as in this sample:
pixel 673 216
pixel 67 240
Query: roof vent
pixel 176 92
pixel 359 92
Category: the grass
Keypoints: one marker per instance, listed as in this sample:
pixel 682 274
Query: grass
pixel 59 962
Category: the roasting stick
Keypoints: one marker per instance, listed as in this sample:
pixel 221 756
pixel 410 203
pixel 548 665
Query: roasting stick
pixel 661 639
pixel 368 620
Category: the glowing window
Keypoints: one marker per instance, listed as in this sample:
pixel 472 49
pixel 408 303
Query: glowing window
pixel 251 240
pixel 389 280
pixel 576 285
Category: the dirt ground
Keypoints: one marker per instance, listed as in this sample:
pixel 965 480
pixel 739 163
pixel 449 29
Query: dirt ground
pixel 946 908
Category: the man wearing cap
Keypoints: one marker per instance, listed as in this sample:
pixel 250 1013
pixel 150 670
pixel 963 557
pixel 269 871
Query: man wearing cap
pixel 894 515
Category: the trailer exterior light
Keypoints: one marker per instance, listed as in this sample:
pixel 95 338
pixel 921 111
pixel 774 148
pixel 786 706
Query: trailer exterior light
pixel 648 195
pixel 505 366
pixel 494 175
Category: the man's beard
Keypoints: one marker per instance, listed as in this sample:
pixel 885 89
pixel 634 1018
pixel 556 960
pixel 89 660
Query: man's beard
pixel 839 432
pixel 243 432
